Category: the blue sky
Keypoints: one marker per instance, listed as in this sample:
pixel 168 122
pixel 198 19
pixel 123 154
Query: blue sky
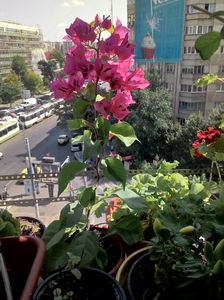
pixel 53 16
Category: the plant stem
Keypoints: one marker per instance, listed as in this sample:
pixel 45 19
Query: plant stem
pixel 218 170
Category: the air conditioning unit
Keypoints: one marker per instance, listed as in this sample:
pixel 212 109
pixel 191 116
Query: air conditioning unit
pixel 48 159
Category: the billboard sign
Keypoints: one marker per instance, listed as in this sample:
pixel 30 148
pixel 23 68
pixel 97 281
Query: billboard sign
pixel 159 30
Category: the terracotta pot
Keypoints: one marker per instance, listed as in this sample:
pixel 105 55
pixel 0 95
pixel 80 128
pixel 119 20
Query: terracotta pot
pixel 123 271
pixel 31 226
pixel 24 257
pixel 94 284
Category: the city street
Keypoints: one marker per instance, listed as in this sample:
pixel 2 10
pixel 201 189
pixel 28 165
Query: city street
pixel 42 139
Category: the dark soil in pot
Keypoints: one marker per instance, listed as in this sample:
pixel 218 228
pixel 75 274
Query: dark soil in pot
pixel 93 285
pixel 31 226
pixel 140 280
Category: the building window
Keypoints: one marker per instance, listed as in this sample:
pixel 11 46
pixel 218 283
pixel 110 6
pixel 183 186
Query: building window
pixel 218 104
pixel 207 6
pixel 192 106
pixel 221 69
pixel 170 68
pixel 222 49
pixel 220 88
pixel 169 86
pixel 198 29
pixel 190 50
pixel 188 88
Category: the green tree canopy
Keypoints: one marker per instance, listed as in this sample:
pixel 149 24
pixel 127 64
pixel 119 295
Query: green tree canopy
pixel 47 70
pixel 33 82
pixel 19 65
pixel 13 78
pixel 55 54
pixel 150 117
pixel 8 92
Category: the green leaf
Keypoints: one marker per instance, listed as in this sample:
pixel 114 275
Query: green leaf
pixel 88 196
pixel 56 238
pixel 114 170
pixel 76 124
pixel 71 214
pixel 207 44
pixel 124 132
pixel 221 126
pixel 219 144
pixel 80 107
pixel 217 13
pixel 91 149
pixel 98 208
pixel 91 89
pixel 222 32
pixel 129 228
pixel 206 80
pixel 56 257
pixel 68 172
pixel 85 245
pixel 103 127
pixel 99 97
pixel 132 199
pixel 51 230
pixel 101 258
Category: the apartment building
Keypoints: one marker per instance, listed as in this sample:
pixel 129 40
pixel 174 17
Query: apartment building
pixel 16 39
pixel 180 72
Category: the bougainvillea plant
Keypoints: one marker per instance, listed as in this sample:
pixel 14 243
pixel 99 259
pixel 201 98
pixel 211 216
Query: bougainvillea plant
pixel 95 58
pixel 210 144
pixel 101 53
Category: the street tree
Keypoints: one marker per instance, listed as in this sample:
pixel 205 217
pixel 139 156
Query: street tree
pixel 13 78
pixel 58 56
pixel 19 66
pixel 8 92
pixel 215 116
pixel 150 116
pixel 33 82
pixel 47 69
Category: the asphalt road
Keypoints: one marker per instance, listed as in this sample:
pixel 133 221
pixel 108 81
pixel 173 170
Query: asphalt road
pixel 42 139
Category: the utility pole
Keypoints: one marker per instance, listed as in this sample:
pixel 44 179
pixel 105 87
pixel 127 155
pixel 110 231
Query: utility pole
pixel 31 172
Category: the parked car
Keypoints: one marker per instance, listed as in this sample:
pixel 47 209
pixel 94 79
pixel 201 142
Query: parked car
pixel 63 139
pixel 25 171
pixel 76 147
pixel 1 155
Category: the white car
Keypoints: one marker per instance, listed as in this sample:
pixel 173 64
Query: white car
pixel 1 155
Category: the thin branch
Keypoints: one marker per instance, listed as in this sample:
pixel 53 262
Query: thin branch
pixel 207 13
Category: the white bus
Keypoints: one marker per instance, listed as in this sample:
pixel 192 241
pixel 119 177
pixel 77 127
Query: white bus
pixel 48 109
pixel 32 117
pixel 8 129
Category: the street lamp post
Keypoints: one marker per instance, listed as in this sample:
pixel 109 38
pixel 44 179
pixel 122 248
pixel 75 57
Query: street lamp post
pixel 31 171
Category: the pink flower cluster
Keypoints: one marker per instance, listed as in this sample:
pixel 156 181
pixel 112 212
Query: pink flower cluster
pixel 93 58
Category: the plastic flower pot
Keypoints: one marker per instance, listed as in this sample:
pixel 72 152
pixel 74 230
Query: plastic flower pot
pixel 123 271
pixel 140 280
pixel 31 226
pixel 93 285
pixel 24 257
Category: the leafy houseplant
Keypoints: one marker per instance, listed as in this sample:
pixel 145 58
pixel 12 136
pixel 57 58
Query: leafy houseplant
pixel 101 52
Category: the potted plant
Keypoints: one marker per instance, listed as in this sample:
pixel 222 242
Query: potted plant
pixel 21 260
pixel 101 52
pixel 31 226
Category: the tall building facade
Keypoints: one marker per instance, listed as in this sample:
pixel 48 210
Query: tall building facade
pixel 172 50
pixel 16 39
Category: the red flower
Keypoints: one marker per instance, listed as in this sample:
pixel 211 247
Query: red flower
pixel 207 137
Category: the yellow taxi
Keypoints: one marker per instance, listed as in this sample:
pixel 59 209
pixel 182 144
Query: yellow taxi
pixel 25 172
pixel 63 139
